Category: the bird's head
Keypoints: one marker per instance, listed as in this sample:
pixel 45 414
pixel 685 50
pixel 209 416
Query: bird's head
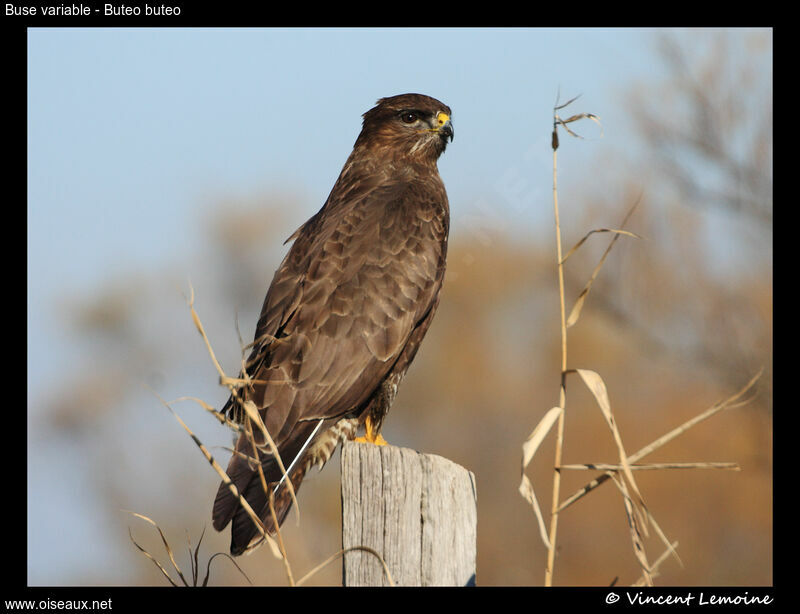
pixel 412 125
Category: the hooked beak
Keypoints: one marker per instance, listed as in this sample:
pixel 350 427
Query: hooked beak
pixel 445 126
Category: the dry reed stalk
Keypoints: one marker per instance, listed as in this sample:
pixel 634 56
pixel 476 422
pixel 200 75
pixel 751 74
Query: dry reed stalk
pixel 728 403
pixel 652 466
pixel 342 552
pixel 529 448
pixel 656 564
pixel 637 514
pixel 250 420
pixel 635 530
pixel 562 396
pixel 193 556
pixel 598 388
pixel 233 384
pixel 251 417
pixel 224 476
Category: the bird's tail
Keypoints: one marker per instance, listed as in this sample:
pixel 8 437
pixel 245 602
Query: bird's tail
pixel 244 532
pixel 245 476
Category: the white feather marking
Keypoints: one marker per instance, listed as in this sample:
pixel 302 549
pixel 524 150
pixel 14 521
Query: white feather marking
pixel 299 454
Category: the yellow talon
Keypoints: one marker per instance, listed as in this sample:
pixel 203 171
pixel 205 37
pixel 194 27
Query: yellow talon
pixel 380 441
pixel 371 436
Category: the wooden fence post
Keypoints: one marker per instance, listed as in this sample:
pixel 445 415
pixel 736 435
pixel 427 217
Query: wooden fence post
pixel 417 511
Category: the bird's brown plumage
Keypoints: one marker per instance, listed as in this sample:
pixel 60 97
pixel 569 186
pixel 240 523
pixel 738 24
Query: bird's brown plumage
pixel 347 308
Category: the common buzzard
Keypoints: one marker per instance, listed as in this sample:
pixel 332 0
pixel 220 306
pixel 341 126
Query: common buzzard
pixel 346 310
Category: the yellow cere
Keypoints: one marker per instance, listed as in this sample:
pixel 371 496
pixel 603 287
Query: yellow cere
pixel 442 118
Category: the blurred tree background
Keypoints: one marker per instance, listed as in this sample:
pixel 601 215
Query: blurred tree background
pixel 676 321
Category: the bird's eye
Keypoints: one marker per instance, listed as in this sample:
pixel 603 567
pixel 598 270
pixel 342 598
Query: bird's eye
pixel 408 117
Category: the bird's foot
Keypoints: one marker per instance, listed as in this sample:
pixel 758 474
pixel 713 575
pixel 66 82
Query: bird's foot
pixel 378 440
pixel 371 436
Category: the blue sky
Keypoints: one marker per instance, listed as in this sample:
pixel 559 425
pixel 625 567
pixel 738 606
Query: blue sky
pixel 133 133
pixel 131 130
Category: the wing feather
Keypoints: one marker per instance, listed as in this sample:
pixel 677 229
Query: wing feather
pixel 343 304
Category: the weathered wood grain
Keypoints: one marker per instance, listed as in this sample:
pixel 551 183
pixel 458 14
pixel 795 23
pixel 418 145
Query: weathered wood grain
pixel 417 511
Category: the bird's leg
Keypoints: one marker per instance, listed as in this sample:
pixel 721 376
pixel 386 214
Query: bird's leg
pixel 371 435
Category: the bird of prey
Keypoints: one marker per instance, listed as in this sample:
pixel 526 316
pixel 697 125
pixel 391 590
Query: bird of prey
pixel 345 313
